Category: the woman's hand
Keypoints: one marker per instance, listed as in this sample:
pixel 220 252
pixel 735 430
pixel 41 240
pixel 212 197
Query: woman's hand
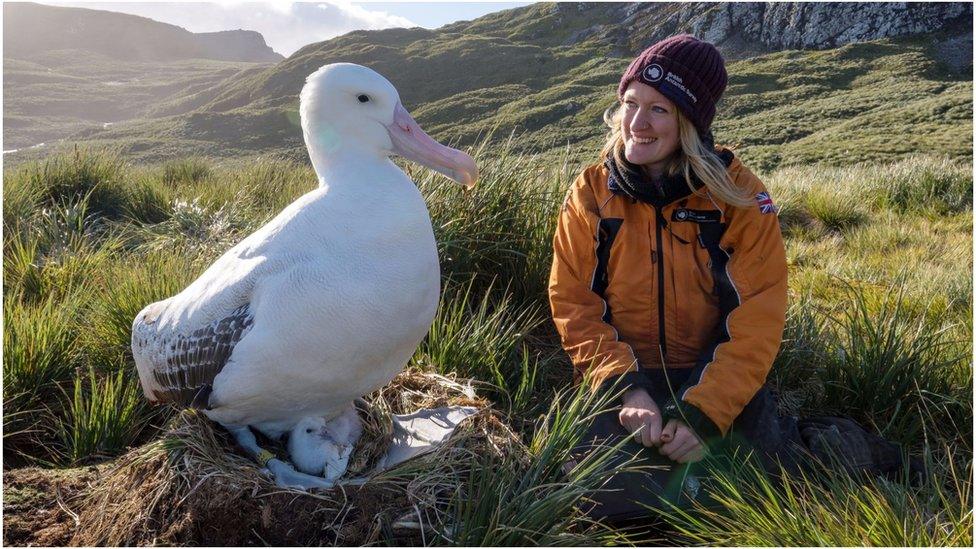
pixel 639 411
pixel 680 443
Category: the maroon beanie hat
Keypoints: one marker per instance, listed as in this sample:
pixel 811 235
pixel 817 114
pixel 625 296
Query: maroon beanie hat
pixel 688 71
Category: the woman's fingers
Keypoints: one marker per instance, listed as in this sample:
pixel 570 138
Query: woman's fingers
pixel 653 430
pixel 680 452
pixel 677 439
pixel 644 424
pixel 693 455
pixel 667 434
pixel 672 448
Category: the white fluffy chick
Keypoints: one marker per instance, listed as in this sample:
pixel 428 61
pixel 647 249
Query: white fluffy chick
pixel 320 447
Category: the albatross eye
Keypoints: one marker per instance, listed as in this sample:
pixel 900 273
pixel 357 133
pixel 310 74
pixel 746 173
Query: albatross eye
pixel 309 430
pixel 363 98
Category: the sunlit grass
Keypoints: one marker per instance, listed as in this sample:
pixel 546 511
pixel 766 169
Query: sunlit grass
pixel 484 338
pixel 829 508
pixel 518 502
pixel 879 326
pixel 104 415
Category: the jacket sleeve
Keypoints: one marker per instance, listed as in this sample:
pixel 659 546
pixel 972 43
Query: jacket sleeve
pixel 577 310
pixel 734 367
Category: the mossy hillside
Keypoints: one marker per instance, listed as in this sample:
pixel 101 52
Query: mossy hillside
pixel 875 101
pixel 62 93
pixel 855 103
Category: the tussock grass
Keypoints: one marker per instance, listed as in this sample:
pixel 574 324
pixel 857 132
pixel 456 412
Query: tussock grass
pixel 105 415
pixel 886 362
pixel 121 291
pixel 916 184
pixel 483 340
pixel 502 227
pixel 828 509
pixel 191 170
pixel 869 356
pixel 529 499
pixel 57 255
pixel 99 176
pixel 39 346
pixel 836 211
pixel 879 328
pixel 39 354
pixel 925 184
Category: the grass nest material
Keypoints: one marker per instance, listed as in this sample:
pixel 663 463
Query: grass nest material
pixel 192 486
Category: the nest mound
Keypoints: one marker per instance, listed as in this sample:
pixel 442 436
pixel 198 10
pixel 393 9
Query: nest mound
pixel 192 487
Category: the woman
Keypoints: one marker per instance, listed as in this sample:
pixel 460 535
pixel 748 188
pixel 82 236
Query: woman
pixel 669 280
pixel 669 272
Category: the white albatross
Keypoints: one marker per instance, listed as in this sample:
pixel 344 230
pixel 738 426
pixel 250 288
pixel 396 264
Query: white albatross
pixel 322 305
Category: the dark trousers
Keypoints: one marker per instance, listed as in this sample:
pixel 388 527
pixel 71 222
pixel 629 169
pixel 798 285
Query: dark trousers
pixel 757 430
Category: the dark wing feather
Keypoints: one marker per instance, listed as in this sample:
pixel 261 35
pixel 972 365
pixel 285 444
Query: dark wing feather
pixel 194 360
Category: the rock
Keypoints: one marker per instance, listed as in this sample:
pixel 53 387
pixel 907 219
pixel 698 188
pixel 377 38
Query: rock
pixel 758 27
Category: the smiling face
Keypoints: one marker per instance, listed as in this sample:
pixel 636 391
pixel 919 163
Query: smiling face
pixel 649 127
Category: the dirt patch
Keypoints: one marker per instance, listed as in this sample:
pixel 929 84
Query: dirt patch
pixel 38 504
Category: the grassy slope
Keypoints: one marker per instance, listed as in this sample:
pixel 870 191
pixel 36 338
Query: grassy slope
pixel 76 274
pixel 527 71
pixel 77 270
pixel 65 92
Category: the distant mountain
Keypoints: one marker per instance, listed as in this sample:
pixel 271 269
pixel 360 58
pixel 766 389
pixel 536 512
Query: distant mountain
pixel 808 82
pixel 31 29
pixel 71 69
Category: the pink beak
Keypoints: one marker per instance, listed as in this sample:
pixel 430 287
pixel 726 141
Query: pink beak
pixel 411 142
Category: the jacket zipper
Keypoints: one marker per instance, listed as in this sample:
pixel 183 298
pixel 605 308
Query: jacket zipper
pixel 660 223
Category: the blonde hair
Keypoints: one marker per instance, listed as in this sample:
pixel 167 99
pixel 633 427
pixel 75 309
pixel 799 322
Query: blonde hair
pixel 691 156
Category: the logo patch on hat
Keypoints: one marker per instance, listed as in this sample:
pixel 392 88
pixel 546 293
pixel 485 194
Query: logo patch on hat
pixel 653 72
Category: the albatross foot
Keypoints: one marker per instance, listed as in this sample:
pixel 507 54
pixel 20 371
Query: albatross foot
pixel 284 474
pixel 287 477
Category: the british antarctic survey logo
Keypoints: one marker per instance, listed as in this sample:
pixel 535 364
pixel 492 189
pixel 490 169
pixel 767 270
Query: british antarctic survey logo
pixel 653 72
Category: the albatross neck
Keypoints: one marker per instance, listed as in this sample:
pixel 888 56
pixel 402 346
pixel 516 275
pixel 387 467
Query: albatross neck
pixel 352 165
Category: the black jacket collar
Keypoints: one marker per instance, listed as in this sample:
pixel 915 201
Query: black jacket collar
pixel 629 180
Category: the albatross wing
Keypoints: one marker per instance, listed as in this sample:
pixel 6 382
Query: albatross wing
pixel 180 368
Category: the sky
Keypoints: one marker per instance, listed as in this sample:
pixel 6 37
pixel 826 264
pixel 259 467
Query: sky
pixel 287 26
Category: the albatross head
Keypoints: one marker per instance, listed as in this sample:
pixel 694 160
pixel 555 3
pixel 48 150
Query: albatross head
pixel 344 106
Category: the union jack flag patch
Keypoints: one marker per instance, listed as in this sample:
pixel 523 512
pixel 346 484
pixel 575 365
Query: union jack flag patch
pixel 765 203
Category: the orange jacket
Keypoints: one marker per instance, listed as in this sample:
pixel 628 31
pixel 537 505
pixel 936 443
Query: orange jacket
pixel 690 279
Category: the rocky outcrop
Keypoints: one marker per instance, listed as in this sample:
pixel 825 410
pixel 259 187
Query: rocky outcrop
pixel 747 28
pixel 790 25
pixel 236 45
